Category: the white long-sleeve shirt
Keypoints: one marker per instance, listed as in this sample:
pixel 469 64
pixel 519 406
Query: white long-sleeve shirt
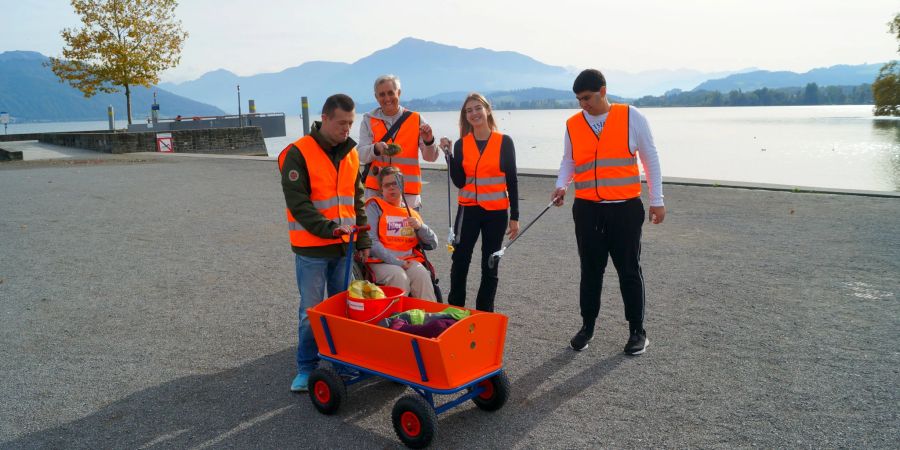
pixel 640 143
pixel 366 147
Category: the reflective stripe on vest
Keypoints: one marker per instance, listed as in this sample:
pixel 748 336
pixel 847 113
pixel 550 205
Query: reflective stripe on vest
pixel 332 192
pixel 398 238
pixel 605 169
pixel 485 181
pixel 407 160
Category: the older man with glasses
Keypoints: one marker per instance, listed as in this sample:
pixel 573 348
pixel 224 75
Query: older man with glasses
pixel 389 124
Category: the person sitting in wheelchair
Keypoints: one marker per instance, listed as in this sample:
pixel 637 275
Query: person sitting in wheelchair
pixel 398 237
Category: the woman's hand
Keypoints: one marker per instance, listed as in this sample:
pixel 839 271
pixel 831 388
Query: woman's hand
pixel 446 146
pixel 406 264
pixel 413 222
pixel 513 229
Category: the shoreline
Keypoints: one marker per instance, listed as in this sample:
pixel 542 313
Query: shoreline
pixel 66 154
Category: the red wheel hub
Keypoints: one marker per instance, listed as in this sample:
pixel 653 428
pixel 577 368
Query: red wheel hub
pixel 322 392
pixel 410 423
pixel 488 391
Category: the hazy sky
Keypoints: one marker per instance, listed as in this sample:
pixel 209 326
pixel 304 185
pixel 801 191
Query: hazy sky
pixel 254 36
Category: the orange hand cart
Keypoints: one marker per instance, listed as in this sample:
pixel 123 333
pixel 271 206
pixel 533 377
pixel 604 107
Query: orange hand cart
pixel 467 356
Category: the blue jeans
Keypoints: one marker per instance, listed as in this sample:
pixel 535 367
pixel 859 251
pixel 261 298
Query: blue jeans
pixel 313 276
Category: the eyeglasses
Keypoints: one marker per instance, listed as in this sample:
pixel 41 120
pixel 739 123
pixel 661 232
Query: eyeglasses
pixel 389 184
pixel 476 108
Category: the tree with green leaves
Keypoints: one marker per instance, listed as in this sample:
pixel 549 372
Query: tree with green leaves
pixel 886 88
pixel 120 44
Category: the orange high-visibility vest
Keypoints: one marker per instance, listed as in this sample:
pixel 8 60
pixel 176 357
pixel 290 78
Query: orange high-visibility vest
pixel 407 160
pixel 332 192
pixel 485 181
pixel 605 169
pixel 394 233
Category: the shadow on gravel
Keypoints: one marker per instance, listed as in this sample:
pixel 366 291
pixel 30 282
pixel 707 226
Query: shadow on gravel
pixel 534 396
pixel 248 406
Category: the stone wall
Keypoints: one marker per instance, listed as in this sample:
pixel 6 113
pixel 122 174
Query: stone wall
pixel 226 141
pixel 20 137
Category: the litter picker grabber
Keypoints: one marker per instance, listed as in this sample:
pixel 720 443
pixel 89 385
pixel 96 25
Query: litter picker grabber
pixel 451 236
pixel 495 257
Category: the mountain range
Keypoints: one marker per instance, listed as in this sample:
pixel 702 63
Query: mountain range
pixel 31 92
pixel 840 75
pixel 436 73
pixel 425 69
pixel 433 75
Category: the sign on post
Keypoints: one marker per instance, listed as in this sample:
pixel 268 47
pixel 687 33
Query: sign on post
pixel 4 119
pixel 164 143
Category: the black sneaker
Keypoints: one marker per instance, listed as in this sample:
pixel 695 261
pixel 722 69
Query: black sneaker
pixel 637 343
pixel 580 341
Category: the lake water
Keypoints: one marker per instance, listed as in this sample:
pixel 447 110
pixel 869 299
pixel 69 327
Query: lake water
pixel 841 147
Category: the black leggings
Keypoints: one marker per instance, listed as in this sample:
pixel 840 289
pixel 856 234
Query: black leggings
pixel 605 230
pixel 470 221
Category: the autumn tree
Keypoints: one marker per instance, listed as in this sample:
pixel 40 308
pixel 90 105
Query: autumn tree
pixel 120 44
pixel 886 88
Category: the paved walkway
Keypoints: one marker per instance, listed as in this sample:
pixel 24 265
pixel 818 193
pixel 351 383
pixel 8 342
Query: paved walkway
pixel 150 302
pixel 34 151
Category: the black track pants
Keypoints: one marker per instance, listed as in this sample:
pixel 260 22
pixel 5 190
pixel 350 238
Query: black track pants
pixel 603 230
pixel 491 225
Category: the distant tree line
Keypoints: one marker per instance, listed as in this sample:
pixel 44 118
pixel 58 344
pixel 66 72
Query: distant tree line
pixel 886 87
pixel 454 105
pixel 533 98
pixel 812 94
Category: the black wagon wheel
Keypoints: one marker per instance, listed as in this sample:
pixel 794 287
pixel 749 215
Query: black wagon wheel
pixel 414 421
pixel 495 394
pixel 326 390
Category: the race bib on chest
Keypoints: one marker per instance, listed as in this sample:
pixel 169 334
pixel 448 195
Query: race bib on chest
pixel 398 226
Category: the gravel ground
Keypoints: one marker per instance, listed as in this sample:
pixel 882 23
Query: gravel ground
pixel 150 302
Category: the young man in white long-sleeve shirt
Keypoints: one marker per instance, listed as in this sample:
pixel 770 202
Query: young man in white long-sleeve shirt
pixel 601 148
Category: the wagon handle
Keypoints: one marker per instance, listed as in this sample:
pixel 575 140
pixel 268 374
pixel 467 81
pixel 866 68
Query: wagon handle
pixel 354 234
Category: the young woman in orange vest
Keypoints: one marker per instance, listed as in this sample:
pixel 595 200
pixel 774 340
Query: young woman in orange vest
pixel 396 232
pixel 483 167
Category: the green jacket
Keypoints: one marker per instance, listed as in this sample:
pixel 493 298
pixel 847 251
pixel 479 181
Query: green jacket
pixel 296 197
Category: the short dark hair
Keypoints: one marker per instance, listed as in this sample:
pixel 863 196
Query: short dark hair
pixel 388 171
pixel 336 101
pixel 589 80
